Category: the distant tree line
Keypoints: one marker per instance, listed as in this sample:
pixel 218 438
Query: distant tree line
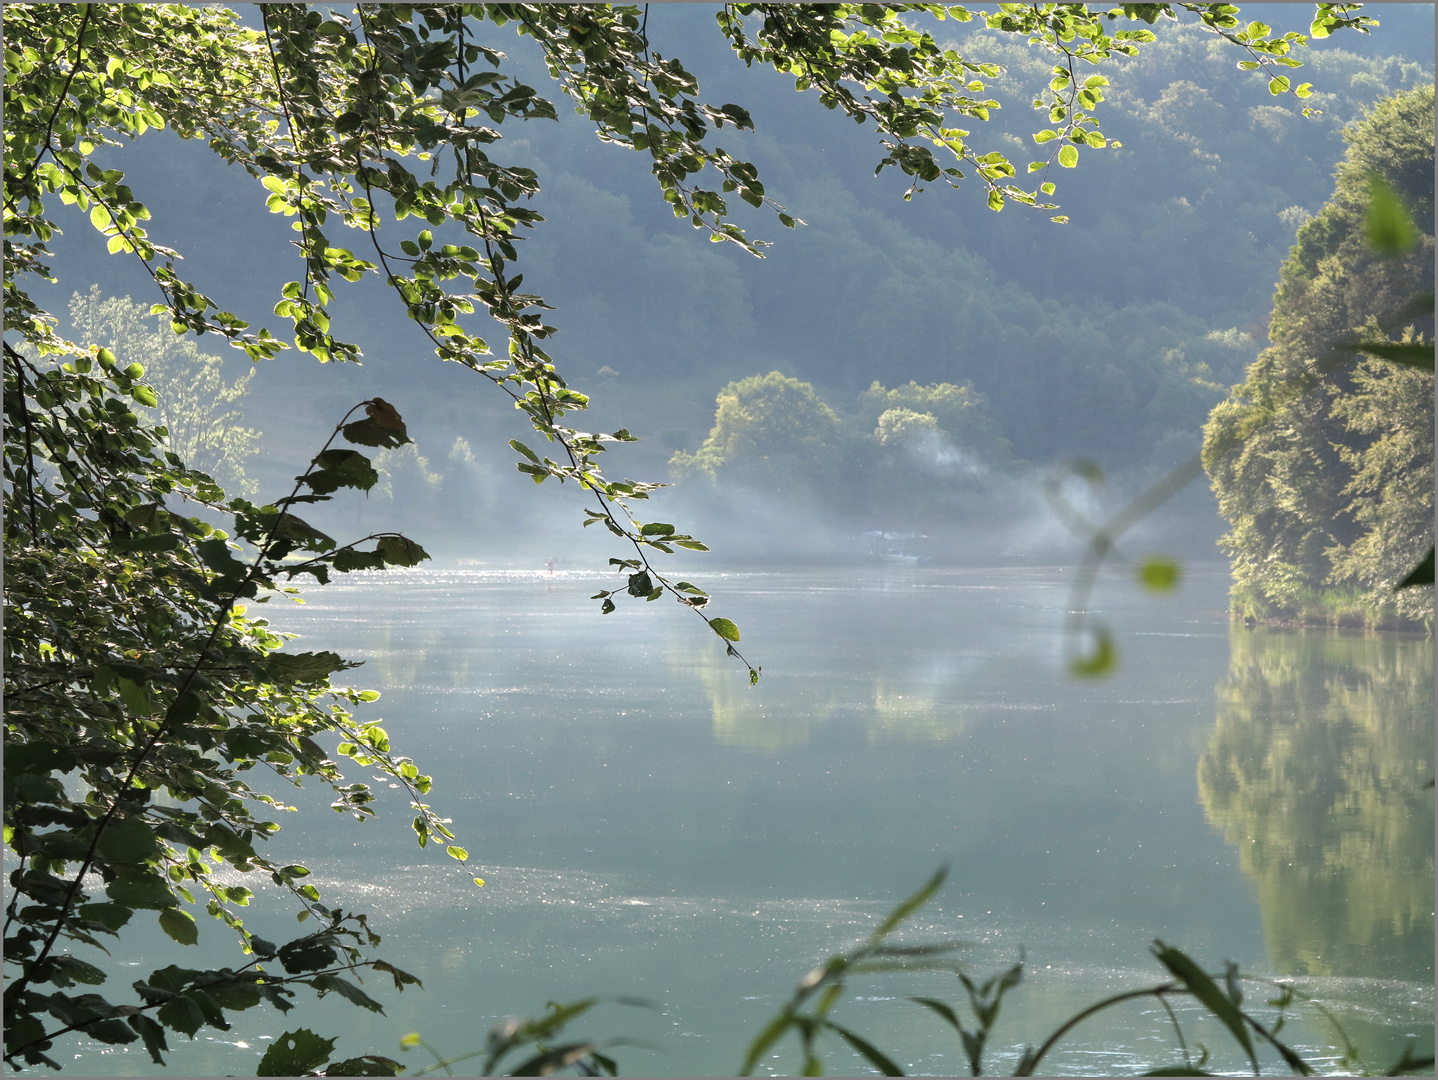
pixel 908 455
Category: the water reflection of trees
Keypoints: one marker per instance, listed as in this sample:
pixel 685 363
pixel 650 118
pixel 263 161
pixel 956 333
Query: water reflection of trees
pixel 784 713
pixel 909 713
pixel 1317 771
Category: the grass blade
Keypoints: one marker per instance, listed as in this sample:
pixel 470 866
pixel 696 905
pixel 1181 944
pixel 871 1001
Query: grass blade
pixel 771 1034
pixel 1206 990
pixel 909 906
pixel 872 1054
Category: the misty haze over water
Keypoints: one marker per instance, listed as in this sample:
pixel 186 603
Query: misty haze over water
pixel 648 825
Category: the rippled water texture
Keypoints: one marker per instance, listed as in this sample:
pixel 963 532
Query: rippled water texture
pixel 648 825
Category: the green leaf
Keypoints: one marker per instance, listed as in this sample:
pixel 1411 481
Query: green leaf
pixel 181 1014
pixel 369 433
pixel 454 851
pixel 305 667
pixel 1068 156
pixel 237 994
pixel 1159 575
pixel 773 1031
pixel 137 890
pixel 350 559
pixel 136 701
pixel 943 1009
pixel 871 1053
pixel 725 629
pixel 113 916
pixel 369 1065
pixel 1099 662
pixel 1410 354
pixel 129 840
pixel 1207 992
pixel 1422 574
pixel 306 954
pixel 526 451
pixel 78 970
pixel 161 542
pixel 110 1031
pixel 180 925
pixel 400 551
pixel 1278 85
pixel 910 905
pixel 152 1033
pixel 1390 229
pixel 341 468
pixel 295 1053
pixel 349 991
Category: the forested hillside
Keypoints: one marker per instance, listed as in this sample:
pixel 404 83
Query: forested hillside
pixel 1329 497
pixel 1110 337
pixel 145 690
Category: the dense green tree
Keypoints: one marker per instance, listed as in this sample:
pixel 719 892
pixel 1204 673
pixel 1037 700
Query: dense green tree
pixel 200 410
pixel 911 455
pixel 960 412
pixel 1391 490
pixel 771 433
pixel 138 686
pixel 1325 473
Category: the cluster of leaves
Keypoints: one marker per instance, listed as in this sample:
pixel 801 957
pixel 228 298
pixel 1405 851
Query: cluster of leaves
pixel 357 96
pixel 138 689
pixel 198 407
pixel 1324 467
pixel 537 1037
pixel 328 111
pixel 914 90
pixel 137 693
pixel 809 1014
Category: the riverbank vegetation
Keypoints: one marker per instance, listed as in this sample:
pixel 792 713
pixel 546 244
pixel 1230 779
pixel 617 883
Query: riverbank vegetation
pixel 1326 476
pixel 141 687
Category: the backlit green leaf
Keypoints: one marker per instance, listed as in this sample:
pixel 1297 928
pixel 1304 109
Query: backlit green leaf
pixel 1390 229
pixel 725 629
pixel 295 1053
pixel 180 925
pixel 1159 574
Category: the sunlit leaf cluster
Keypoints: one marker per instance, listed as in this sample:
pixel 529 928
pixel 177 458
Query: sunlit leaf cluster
pixel 140 687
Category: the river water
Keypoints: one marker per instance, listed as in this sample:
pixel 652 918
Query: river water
pixel 648 825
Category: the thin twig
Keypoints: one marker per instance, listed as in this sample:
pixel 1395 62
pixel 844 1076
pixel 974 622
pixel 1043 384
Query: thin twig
pixel 31 477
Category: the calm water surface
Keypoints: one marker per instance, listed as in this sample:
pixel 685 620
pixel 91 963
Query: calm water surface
pixel 648 825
